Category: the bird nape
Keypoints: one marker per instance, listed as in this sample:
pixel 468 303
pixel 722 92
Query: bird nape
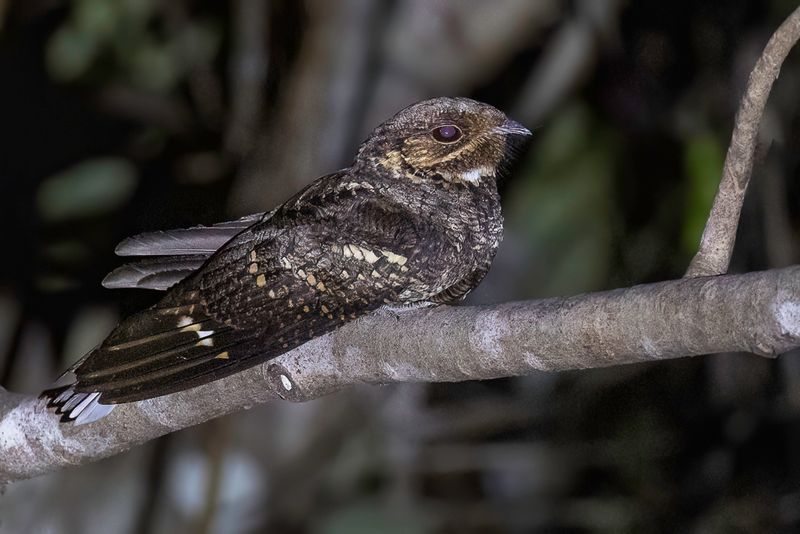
pixel 415 219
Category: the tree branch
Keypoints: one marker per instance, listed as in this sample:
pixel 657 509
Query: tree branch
pixel 756 312
pixel 719 235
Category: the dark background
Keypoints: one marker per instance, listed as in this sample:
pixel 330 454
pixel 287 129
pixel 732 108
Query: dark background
pixel 118 117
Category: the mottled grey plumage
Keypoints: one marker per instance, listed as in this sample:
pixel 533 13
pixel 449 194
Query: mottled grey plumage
pixel 416 218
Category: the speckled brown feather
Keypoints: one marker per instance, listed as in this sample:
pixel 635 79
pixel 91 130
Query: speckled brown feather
pixel 412 220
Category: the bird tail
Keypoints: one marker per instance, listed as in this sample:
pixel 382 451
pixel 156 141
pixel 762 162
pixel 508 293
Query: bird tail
pixel 73 406
pixel 164 258
pixel 170 347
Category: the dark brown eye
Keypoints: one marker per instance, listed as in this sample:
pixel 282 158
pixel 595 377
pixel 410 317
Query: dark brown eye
pixel 447 134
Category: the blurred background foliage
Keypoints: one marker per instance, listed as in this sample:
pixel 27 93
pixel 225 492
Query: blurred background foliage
pixel 132 115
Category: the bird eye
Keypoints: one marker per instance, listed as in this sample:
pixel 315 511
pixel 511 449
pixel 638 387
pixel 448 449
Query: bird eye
pixel 447 134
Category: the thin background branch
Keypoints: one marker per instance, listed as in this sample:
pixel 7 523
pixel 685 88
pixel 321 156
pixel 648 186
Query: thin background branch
pixel 719 235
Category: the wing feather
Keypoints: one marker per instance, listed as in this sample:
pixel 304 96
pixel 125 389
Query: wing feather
pixel 198 240
pixel 271 289
pixel 158 273
pixel 174 254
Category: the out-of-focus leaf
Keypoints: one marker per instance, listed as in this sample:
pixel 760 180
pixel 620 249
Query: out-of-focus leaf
pixel 136 10
pixel 153 66
pixel 70 53
pixel 703 161
pixel 134 33
pixel 90 188
pixel 96 17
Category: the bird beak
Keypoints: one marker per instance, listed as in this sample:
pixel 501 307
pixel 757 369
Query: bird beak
pixel 510 127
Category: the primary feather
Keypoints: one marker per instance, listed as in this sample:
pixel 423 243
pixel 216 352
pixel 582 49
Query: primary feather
pixel 198 240
pixel 173 254
pixel 159 273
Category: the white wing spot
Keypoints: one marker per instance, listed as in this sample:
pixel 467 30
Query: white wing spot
pixel 370 256
pixel 356 250
pixel 391 257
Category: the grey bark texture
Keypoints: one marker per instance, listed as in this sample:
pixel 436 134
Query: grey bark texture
pixel 755 312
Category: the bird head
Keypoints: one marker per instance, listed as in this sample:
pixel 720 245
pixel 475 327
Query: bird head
pixel 455 139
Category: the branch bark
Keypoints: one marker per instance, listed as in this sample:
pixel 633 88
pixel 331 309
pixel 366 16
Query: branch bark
pixel 756 312
pixel 719 235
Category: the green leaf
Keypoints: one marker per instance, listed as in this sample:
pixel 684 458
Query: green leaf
pixel 70 53
pixel 153 66
pixel 96 17
pixel 90 188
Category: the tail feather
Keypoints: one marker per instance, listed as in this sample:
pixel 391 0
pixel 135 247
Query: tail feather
pixel 158 351
pixel 172 254
pixel 202 240
pixel 161 364
pixel 72 406
pixel 159 273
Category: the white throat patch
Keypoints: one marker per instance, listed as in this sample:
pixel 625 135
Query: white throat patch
pixel 473 176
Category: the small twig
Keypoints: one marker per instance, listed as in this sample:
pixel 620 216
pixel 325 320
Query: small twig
pixel 719 235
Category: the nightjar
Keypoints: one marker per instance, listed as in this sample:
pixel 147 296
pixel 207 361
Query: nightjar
pixel 414 220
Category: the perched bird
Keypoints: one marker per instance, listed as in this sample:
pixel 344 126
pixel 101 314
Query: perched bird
pixel 414 220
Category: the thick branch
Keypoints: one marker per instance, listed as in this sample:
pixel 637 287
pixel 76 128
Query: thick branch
pixel 719 235
pixel 757 312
